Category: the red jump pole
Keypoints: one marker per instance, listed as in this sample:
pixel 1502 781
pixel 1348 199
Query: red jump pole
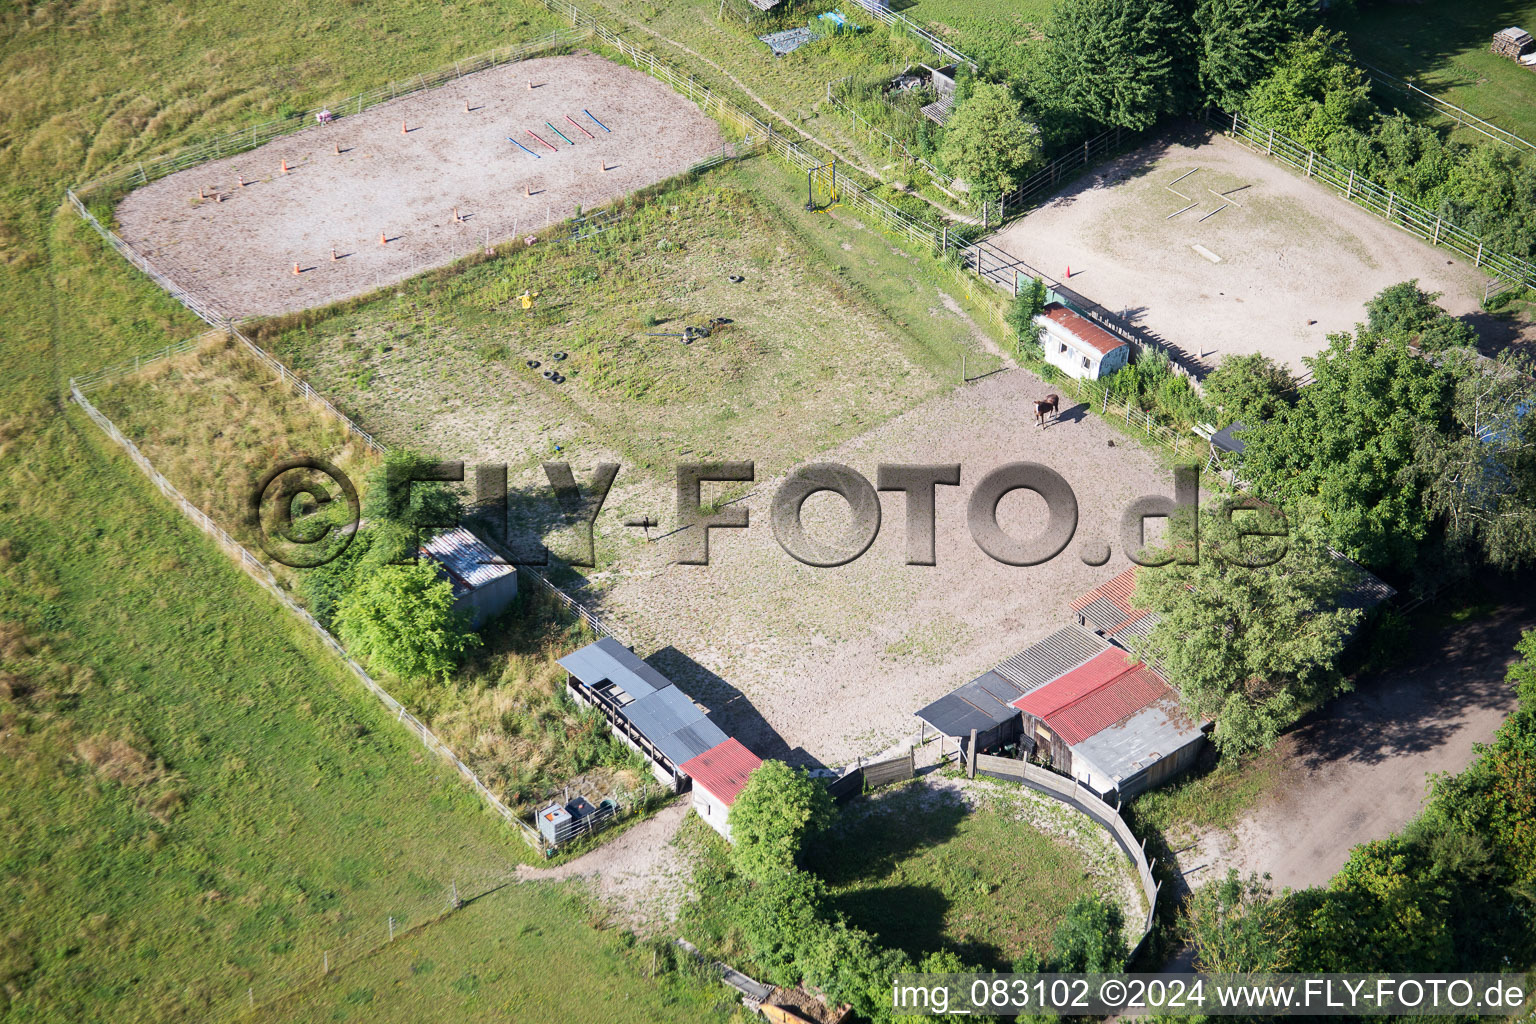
pixel 530 131
pixel 581 126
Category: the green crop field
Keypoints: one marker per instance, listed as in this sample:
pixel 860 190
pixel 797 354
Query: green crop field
pixel 989 876
pixel 1442 47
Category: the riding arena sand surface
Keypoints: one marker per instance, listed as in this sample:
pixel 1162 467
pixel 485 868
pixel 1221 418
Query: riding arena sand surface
pixel 820 665
pixel 239 253
pixel 1297 261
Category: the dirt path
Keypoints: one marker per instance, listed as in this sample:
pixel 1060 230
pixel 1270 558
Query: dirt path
pixel 641 874
pixel 1359 772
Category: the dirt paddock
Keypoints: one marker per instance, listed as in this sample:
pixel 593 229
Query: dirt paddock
pixel 823 665
pixel 1296 261
pixel 239 253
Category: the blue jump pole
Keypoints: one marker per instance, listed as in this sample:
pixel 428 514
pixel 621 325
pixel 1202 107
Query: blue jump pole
pixel 595 121
pixel 522 147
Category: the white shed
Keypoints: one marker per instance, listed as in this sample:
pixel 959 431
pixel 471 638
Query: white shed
pixel 1078 346
pixel 719 775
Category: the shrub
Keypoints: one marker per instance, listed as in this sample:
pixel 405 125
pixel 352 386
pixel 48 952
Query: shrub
pixel 401 619
pixel 778 810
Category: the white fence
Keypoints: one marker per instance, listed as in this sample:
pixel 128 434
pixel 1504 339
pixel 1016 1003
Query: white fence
pixel 262 575
pixel 1363 192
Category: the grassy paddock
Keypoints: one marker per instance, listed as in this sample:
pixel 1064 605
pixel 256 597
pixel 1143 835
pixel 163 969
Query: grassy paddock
pixel 833 329
pixel 1443 49
pixel 999 32
pixel 923 870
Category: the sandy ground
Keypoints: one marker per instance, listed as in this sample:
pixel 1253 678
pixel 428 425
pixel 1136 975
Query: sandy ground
pixel 1359 770
pixel 239 254
pixel 640 874
pixel 822 665
pixel 1297 261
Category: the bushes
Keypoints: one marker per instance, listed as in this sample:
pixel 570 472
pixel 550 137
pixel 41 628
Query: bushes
pixel 780 808
pixel 1251 388
pixel 400 618
pixel 1151 385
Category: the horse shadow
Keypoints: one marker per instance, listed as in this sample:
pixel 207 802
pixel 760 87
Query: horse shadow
pixel 1074 414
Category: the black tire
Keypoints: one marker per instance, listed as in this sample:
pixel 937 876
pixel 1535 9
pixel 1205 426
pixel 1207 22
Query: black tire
pixel 533 364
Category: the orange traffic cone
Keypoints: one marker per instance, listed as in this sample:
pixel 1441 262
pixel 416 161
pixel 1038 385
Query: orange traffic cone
pixel 1069 273
pixel 456 218
pixel 382 239
pixel 338 148
pixel 602 165
pixel 285 166
pixel 334 257
pixel 241 179
pixel 296 268
pixel 403 129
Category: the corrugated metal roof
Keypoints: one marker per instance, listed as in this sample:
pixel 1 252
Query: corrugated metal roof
pixel 981 704
pixel 669 719
pixel 1075 685
pixel 1108 609
pixel 470 563
pixel 607 660
pixel 1140 740
pixel 1366 590
pixel 1051 658
pixel 1082 329
pixel 723 769
pixel 1118 699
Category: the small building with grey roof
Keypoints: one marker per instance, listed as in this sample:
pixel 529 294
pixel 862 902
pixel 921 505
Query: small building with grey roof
pixel 483 582
pixel 985 704
pixel 643 708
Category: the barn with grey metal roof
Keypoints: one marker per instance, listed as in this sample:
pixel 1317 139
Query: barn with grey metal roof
pixel 643 708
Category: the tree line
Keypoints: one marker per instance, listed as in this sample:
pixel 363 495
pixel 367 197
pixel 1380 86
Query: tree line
pixel 1131 63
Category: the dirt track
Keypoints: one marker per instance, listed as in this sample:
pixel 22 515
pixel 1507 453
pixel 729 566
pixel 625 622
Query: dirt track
pixel 1359 770
pixel 239 254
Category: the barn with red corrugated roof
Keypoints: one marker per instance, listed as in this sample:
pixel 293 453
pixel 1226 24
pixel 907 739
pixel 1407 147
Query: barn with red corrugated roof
pixel 719 775
pixel 1112 723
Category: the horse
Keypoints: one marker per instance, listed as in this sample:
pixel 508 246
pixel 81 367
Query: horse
pixel 1050 404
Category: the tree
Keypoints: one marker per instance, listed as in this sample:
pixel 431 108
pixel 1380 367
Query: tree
pixel 1237 926
pixel 1340 454
pixel 1090 938
pixel 780 808
pixel 988 143
pixel 401 619
pixel 1479 475
pixel 1029 304
pixel 781 921
pixel 1238 40
pixel 1408 312
pixel 1251 647
pixel 1249 388
pixel 1119 62
pixel 1313 92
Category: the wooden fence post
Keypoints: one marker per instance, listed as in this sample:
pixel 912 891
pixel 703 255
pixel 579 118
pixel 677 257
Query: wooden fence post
pixel 970 761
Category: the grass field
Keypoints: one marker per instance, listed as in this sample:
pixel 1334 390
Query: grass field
pixel 998 32
pixel 810 357
pixel 139 662
pixel 1442 47
pixel 214 420
pixel 476 966
pixel 986 871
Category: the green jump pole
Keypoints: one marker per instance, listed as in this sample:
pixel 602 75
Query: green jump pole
pixel 558 132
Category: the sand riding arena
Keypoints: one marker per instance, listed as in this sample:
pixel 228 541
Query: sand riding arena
pixel 413 183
